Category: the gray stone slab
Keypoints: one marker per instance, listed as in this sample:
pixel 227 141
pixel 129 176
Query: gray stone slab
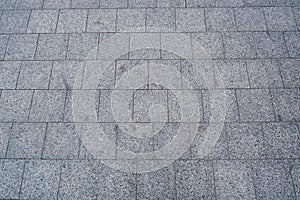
pixel 296 11
pixel 194 180
pixel 190 20
pixel 9 71
pixel 72 21
pixel 41 179
pixel 239 45
pixel 233 180
pixel 170 3
pixel 21 47
pixel 245 140
pixel 258 3
pixel 280 19
pixel 14 21
pixel 34 75
pixel 220 19
pixel 68 113
pixel 255 105
pixel 83 46
pixel 290 73
pixel 5 130
pixel 157 185
pixel 141 3
pixel 11 178
pixel 160 20
pixel 84 154
pixel 101 20
pixel 292 3
pixel 124 66
pixel 293 43
pixel 131 20
pixel 295 171
pixel 113 4
pixel 26 140
pixel 270 45
pixel 219 150
pixel 286 104
pixel 52 47
pixel 56 4
pixel 15 105
pixel 48 106
pixel 3 44
pixel 264 73
pixel 64 74
pixel 233 73
pixel 29 4
pixel 229 3
pixel 42 21
pixel 211 42
pixel 200 3
pixel 272 180
pixel 250 19
pixel 282 140
pixel 62 141
pixel 7 4
pixel 85 4
pixel 164 133
pixel 105 112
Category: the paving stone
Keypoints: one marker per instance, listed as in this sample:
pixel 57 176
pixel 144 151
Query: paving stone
pixel 9 71
pixel 52 47
pixel 72 21
pixel 270 44
pixel 245 141
pixel 15 105
pixel 170 3
pixel 26 140
pixel 163 135
pixel 229 3
pixel 250 19
pixel 124 66
pixel 151 42
pixel 48 106
pixel 160 20
pixel 57 4
pixel 292 3
pixel 282 140
pixel 5 130
pixel 190 20
pixel 113 4
pixel 34 75
pixel 7 4
pixel 286 104
pixel 290 73
pixel 211 42
pixel 296 11
pixel 3 44
pixel 292 41
pixel 272 180
pixel 85 4
pixel 68 113
pixel 21 47
pixel 200 3
pixel 219 150
pixel 264 73
pixel 41 179
pixel 233 73
pixel 194 180
pixel 233 180
pixel 62 141
pixel 239 45
pixel 101 20
pixel 258 2
pixel 255 105
pixel 141 3
pixel 29 4
pixel 158 184
pixel 83 46
pixel 14 21
pixel 105 112
pixel 64 74
pixel 42 21
pixel 295 171
pixel 280 19
pixel 220 19
pixel 11 178
pixel 131 20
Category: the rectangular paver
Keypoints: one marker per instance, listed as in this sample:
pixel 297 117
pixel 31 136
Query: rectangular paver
pixel 9 71
pixel 220 19
pixel 290 73
pixel 101 20
pixel 113 4
pixel 72 21
pixel 131 20
pixel 42 21
pixel 250 19
pixel 5 129
pixel 83 46
pixel 56 4
pixel 14 21
pixel 141 3
pixel 160 20
pixel 29 4
pixel 292 41
pixel 3 44
pixel 85 4
pixel 280 19
pixel 190 20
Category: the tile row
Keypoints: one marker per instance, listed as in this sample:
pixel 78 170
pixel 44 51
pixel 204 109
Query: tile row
pixel 150 20
pixel 60 4
pixel 183 179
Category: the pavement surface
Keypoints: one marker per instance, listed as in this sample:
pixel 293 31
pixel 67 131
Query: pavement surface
pixel 230 115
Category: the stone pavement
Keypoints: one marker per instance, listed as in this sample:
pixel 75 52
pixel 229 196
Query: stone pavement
pixel 253 44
